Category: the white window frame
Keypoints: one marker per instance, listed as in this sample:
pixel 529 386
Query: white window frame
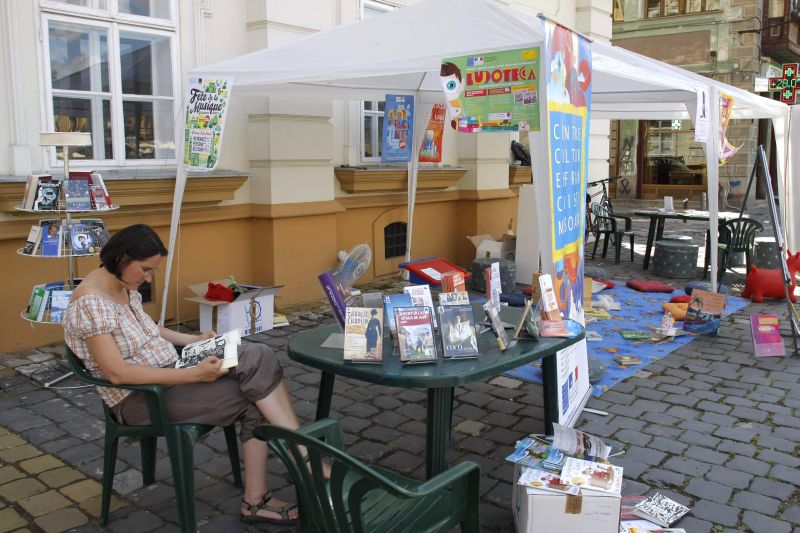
pixel 113 23
pixel 362 113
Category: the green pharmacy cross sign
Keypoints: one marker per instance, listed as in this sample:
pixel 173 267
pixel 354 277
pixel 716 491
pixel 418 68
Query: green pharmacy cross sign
pixel 787 85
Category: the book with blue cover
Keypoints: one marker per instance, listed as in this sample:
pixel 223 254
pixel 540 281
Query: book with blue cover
pixel 390 301
pixel 51 238
pixel 77 195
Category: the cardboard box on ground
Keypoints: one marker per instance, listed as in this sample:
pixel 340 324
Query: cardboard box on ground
pixel 253 311
pixel 487 246
pixel 541 511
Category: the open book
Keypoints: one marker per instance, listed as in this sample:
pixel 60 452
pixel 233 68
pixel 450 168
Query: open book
pixel 225 347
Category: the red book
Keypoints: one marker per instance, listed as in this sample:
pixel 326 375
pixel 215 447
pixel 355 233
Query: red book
pixel 767 339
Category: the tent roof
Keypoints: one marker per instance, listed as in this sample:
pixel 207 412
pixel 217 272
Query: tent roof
pixel 401 52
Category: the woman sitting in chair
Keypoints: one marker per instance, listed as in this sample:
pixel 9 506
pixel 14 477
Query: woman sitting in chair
pixel 107 328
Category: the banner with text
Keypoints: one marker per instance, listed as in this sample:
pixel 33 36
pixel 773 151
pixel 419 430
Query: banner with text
pixel 567 70
pixel 398 129
pixel 495 91
pixel 206 108
pixel 431 149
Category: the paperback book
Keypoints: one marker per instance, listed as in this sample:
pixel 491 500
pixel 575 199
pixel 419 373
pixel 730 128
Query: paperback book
pixel 493 314
pixel 76 194
pixel 421 297
pixel 47 196
pixel 338 295
pixel 549 481
pixel 390 302
pixel 454 298
pixel 225 347
pixel 51 238
pixel 493 287
pixel 767 339
pixel 363 335
pixel 592 476
pixel 453 281
pixel 80 239
pixel 97 232
pixel 661 510
pixel 704 312
pixel 31 188
pixel 415 334
pixel 527 323
pixel 459 339
pixel 99 192
pixel 59 300
pixel 32 242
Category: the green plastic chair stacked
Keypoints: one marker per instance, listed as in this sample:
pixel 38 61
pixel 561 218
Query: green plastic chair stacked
pixel 180 442
pixel 736 235
pixel 361 498
pixel 605 224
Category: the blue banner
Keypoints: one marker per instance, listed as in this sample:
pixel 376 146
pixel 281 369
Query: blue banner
pixel 398 129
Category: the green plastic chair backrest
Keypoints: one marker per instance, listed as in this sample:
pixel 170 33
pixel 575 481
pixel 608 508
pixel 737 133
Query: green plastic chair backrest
pixel 739 233
pixel 603 215
pixel 356 497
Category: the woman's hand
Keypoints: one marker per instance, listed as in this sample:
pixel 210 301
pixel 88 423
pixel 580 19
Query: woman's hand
pixel 209 369
pixel 206 335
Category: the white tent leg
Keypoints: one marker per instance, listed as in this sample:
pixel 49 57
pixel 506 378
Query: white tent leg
pixel 712 162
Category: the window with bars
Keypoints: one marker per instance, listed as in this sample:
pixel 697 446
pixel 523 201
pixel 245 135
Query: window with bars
pixel 626 10
pixel 111 72
pixel 394 240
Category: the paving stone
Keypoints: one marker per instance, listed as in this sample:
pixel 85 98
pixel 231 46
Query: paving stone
pixel 729 477
pixel 772 456
pixel 740 434
pixel 663 478
pixel 756 502
pixel 18 453
pixel 709 490
pixel 772 488
pixel 716 513
pixel 747 464
pixel 760 522
pixel 776 443
pixel 43 503
pixel 10 519
pixel 690 523
pixel 633 437
pixel 136 522
pixel 82 490
pixel 706 455
pixel 792 514
pixel 9 473
pixel 40 464
pixel 702 439
pixel 663 431
pixel 737 448
pixel 689 467
pixel 60 476
pixel 784 473
pixel 21 488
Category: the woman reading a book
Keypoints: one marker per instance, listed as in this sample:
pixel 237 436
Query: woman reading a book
pixel 107 328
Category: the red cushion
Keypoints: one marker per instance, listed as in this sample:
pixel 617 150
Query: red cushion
pixel 608 284
pixel 682 299
pixel 648 286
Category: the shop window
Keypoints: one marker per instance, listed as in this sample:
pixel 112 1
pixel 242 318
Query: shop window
pixel 394 240
pixel 111 73
pixel 672 156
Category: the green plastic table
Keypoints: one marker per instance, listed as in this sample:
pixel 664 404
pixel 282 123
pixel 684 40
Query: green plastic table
pixel 438 378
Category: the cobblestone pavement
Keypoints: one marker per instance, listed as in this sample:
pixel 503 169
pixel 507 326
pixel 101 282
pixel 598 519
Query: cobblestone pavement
pixel 709 425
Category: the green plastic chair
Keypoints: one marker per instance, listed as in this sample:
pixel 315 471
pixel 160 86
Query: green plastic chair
pixel 735 235
pixel 180 443
pixel 606 224
pixel 359 498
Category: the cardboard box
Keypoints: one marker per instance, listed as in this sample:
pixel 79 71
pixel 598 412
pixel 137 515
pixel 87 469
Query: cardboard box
pixel 253 310
pixel 488 246
pixel 540 511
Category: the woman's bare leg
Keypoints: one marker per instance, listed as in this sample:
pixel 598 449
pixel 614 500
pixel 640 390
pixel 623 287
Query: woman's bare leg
pixel 255 478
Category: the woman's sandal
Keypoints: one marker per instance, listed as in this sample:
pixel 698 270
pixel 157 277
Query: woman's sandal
pixel 263 505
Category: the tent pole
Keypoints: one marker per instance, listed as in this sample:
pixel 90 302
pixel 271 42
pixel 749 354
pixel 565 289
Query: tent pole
pixel 413 172
pixel 712 166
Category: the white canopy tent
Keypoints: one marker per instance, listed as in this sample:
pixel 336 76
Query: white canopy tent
pixel 401 52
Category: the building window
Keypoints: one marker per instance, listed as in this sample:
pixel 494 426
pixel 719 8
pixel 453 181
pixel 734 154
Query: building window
pixel 669 8
pixel 372 111
pixel 112 73
pixel 672 156
pixel 394 240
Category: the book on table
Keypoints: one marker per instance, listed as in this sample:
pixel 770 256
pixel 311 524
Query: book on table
pixel 415 334
pixel 498 327
pixel 224 347
pixel 363 335
pixel 454 298
pixel 421 297
pixel 338 295
pixel 390 301
pixel 459 339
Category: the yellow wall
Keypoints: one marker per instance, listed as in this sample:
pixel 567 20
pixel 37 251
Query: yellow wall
pixel 287 245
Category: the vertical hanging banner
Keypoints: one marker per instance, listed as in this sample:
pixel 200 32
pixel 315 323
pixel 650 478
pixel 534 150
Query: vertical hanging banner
pixel 398 129
pixel 567 73
pixel 726 149
pixel 431 149
pixel 206 107
pixel 494 91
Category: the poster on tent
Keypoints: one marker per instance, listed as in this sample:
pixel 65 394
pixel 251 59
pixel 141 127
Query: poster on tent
pixel 206 107
pixel 726 150
pixel 567 73
pixel 398 129
pixel 431 149
pixel 494 91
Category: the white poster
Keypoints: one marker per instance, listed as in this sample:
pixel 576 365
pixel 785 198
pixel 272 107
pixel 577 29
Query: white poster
pixel 701 123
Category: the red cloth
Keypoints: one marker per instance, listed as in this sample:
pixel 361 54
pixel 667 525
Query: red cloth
pixel 608 284
pixel 648 286
pixel 218 293
pixel 682 299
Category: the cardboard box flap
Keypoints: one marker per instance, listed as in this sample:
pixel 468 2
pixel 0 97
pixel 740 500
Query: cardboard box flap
pixel 253 291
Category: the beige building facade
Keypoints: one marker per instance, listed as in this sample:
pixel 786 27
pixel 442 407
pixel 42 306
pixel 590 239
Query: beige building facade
pixel 298 180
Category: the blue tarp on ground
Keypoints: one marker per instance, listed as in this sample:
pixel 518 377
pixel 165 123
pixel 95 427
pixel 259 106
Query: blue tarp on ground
pixel 640 312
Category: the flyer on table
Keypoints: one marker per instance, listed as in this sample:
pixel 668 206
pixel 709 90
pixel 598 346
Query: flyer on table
pixel 206 108
pixel 494 91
